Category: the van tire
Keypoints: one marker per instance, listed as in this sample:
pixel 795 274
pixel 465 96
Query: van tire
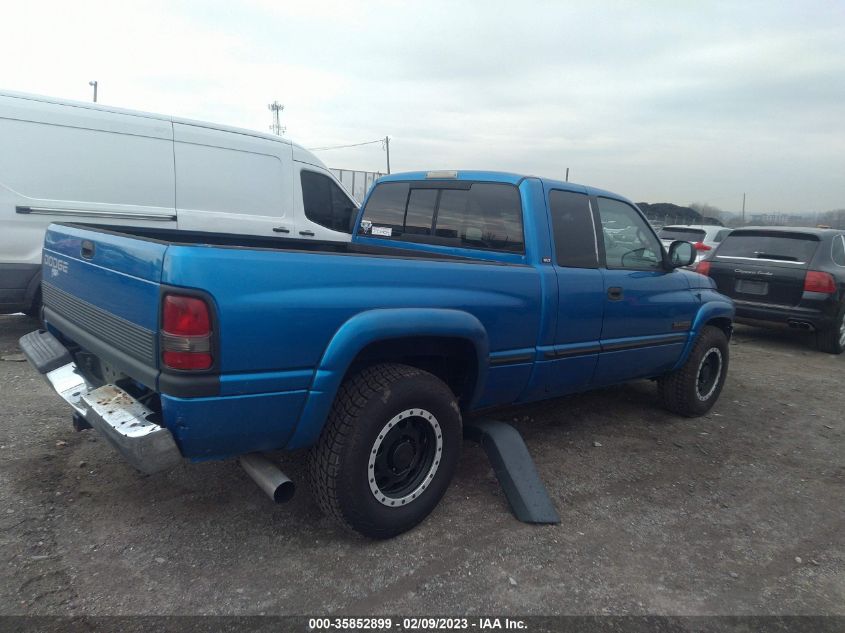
pixel 830 340
pixel 34 309
pixel 386 420
pixel 694 388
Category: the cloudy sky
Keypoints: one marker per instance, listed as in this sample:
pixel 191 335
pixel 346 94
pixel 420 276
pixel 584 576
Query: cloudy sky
pixel 660 101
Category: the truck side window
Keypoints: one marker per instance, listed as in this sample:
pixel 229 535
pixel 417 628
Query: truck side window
pixel 574 232
pixel 485 216
pixel 628 240
pixel 325 203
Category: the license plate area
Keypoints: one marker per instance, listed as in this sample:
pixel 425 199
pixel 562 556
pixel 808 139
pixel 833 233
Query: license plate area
pixel 752 287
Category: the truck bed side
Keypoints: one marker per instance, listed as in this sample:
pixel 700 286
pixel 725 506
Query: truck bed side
pixel 289 323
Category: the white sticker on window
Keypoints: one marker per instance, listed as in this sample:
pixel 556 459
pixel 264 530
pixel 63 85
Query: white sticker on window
pixel 384 231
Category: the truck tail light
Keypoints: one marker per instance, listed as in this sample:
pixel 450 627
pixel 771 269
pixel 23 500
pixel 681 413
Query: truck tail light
pixel 185 333
pixel 703 267
pixel 701 246
pixel 817 281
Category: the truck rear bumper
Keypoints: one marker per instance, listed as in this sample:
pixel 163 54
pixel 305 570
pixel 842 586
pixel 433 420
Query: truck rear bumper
pixel 126 423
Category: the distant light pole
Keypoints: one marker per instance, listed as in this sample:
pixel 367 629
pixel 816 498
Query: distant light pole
pixel 94 83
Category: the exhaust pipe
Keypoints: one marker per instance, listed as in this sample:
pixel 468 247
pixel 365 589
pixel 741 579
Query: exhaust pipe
pixel 268 476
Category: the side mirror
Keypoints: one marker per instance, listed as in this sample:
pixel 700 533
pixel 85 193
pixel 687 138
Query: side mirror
pixel 681 254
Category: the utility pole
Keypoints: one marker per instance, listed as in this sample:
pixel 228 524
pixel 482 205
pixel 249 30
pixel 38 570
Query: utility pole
pixel 743 208
pixel 567 174
pixel 387 149
pixel 276 126
pixel 94 83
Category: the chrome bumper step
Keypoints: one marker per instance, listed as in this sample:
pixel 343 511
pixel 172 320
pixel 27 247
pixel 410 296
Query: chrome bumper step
pixel 126 423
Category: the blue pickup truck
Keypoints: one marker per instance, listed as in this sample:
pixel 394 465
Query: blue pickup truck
pixel 460 291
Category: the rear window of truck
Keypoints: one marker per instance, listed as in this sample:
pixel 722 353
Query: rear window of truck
pixel 797 248
pixel 477 215
pixel 683 234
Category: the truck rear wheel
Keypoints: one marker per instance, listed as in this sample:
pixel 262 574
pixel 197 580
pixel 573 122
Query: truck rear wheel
pixel 694 388
pixel 388 451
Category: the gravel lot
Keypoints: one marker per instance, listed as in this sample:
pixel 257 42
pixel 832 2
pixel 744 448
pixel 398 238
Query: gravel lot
pixel 738 512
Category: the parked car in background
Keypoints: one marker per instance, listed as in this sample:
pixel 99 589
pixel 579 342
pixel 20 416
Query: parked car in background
pixel 84 162
pixel 705 237
pixel 785 275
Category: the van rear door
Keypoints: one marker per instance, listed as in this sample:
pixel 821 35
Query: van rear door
pixel 101 290
pixel 764 266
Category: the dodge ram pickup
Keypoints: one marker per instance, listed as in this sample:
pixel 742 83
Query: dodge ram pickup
pixel 460 291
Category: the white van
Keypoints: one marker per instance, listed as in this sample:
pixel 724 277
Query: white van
pixel 82 162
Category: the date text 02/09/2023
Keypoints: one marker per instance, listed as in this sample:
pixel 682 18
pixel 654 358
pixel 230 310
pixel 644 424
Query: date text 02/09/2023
pixel 416 624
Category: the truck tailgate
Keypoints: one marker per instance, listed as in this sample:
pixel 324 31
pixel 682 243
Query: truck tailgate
pixel 101 289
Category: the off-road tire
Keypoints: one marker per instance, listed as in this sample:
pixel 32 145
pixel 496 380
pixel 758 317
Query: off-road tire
pixel 830 340
pixel 679 390
pixel 339 464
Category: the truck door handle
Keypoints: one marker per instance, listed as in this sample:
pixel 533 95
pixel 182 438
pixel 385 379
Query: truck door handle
pixel 308 233
pixel 280 229
pixel 614 293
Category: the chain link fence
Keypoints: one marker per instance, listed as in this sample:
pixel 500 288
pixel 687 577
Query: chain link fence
pixel 357 182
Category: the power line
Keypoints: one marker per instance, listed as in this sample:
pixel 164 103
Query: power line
pixel 319 149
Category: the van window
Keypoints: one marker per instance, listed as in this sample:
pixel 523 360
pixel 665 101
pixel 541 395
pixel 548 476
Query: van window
pixel 478 215
pixel 325 204
pixel 574 232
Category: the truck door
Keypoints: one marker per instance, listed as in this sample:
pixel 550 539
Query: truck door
pixel 569 365
pixel 648 310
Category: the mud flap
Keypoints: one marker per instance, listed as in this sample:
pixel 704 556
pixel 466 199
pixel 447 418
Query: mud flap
pixel 515 470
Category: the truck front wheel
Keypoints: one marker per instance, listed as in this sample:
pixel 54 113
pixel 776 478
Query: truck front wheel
pixel 695 387
pixel 388 451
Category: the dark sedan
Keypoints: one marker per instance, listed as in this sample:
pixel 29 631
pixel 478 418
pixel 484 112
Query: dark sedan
pixel 785 275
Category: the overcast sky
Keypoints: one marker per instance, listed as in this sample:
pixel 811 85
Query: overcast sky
pixel 662 102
